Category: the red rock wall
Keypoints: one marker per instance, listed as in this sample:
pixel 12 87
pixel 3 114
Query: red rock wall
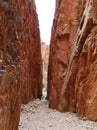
pixel 78 78
pixel 20 59
pixel 31 72
pixel 86 83
pixel 78 90
pixel 63 32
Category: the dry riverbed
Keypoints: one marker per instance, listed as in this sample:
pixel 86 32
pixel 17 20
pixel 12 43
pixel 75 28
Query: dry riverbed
pixel 37 116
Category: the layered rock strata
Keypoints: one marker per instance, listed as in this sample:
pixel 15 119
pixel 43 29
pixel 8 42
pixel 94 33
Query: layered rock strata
pixel 20 59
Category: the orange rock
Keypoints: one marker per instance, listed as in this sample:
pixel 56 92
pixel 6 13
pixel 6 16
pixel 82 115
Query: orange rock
pixel 78 92
pixel 63 32
pixel 86 84
pixel 72 71
pixel 20 59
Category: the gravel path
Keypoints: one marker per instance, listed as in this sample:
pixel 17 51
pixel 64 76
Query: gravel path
pixel 37 116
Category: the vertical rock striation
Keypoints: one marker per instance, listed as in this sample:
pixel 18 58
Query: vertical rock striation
pixel 20 59
pixel 85 84
pixel 32 63
pixel 83 99
pixel 65 25
pixel 78 92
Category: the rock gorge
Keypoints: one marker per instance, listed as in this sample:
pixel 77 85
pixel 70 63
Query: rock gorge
pixel 72 63
pixel 72 70
pixel 20 59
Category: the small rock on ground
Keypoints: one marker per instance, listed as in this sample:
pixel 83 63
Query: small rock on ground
pixel 37 116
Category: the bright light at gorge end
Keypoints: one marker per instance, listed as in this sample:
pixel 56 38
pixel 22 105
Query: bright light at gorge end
pixel 45 10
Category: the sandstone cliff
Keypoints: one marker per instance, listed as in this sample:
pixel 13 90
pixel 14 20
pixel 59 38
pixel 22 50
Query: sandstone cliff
pixel 77 93
pixel 78 78
pixel 65 25
pixel 20 59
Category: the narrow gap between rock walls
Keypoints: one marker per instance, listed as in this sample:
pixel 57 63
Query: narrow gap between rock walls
pixel 45 10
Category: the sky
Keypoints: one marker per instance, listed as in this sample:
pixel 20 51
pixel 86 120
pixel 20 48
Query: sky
pixel 45 10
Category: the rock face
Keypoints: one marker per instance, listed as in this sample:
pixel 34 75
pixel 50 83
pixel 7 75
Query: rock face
pixel 79 91
pixel 79 74
pixel 20 59
pixel 32 64
pixel 86 83
pixel 65 25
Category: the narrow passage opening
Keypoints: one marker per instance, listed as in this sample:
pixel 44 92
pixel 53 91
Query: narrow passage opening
pixel 45 10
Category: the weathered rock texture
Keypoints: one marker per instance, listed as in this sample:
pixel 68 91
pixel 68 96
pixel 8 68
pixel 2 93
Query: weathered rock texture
pixel 79 91
pixel 20 59
pixel 85 83
pixel 65 25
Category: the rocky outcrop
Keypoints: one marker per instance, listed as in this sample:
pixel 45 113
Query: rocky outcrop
pixel 65 25
pixel 20 59
pixel 76 92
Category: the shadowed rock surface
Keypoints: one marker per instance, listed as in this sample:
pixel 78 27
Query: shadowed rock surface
pixel 65 25
pixel 20 59
pixel 77 93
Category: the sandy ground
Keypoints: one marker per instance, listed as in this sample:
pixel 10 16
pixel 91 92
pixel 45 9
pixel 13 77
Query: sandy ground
pixel 37 116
